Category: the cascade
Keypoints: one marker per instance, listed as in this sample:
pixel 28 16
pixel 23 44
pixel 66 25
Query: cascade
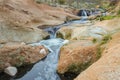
pixel 46 69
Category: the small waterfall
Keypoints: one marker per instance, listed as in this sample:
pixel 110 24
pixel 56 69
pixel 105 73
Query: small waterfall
pixel 84 13
pixel 46 69
pixel 52 31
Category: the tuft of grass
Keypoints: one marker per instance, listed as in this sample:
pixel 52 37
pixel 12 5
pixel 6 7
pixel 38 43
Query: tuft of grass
pixel 106 17
pixel 99 52
pixel 105 39
pixel 77 68
pixel 21 61
pixel 118 12
pixel 94 40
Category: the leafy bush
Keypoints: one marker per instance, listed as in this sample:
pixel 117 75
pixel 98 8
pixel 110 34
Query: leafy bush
pixel 62 1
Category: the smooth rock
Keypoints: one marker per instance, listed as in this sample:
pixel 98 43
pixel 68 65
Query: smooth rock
pixel 11 71
pixel 76 56
pixel 66 42
pixel 81 33
pixel 43 51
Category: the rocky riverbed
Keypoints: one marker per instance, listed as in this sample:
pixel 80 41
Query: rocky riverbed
pixel 85 48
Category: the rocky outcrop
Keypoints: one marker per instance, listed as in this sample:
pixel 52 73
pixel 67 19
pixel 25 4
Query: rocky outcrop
pixel 19 54
pixel 81 33
pixel 83 49
pixel 109 25
pixel 108 66
pixel 19 20
pixel 21 34
pixel 77 55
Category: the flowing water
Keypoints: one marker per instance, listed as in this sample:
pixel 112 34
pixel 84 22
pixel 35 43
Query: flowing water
pixel 46 69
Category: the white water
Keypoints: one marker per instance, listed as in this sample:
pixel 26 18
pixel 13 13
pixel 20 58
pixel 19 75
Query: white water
pixel 46 69
pixel 84 15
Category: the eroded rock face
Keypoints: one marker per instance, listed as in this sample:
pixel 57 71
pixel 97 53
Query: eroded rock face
pixel 108 66
pixel 76 56
pixel 17 54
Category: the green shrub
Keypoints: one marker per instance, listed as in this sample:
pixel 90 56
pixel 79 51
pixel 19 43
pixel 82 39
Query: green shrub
pixel 62 1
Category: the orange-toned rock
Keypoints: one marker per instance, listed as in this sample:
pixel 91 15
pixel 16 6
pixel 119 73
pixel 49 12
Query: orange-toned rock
pixel 76 56
pixel 17 54
pixel 108 66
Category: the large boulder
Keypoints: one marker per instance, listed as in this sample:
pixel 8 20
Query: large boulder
pixel 108 66
pixel 19 54
pixel 77 55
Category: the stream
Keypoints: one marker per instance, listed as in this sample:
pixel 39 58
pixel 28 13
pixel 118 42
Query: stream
pixel 46 68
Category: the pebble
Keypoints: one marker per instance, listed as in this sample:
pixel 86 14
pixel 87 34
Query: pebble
pixel 43 51
pixel 66 42
pixel 11 70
